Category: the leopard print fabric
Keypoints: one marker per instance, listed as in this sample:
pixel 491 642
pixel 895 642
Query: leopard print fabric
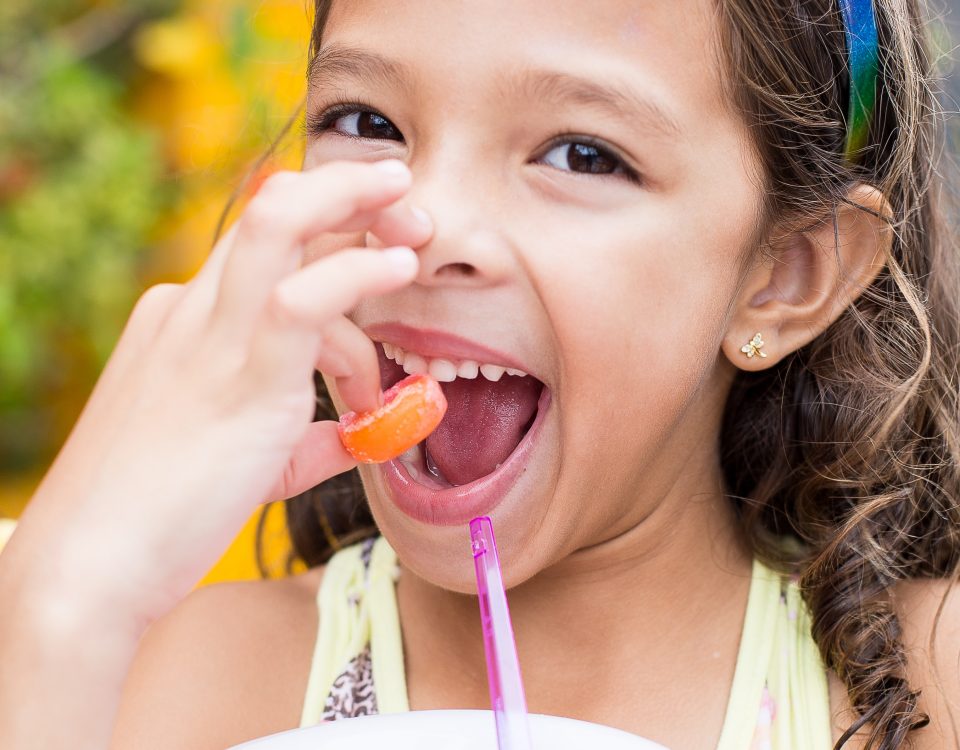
pixel 352 693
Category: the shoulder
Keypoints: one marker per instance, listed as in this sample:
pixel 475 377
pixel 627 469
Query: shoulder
pixel 228 664
pixel 929 614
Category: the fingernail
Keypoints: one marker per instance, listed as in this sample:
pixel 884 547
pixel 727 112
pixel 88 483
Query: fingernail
pixel 403 259
pixel 422 216
pixel 393 168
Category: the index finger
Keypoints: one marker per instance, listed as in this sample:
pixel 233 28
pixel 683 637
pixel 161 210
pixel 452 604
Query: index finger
pixel 289 210
pixel 318 456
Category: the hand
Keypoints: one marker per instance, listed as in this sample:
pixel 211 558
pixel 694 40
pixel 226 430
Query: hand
pixel 204 409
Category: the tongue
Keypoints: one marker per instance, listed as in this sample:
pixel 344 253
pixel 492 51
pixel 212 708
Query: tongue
pixel 484 423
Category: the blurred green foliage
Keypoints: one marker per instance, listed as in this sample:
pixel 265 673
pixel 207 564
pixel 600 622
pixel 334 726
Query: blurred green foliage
pixel 81 188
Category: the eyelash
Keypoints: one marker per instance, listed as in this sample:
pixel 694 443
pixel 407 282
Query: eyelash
pixel 318 123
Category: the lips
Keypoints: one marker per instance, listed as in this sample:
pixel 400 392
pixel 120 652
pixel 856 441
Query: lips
pixel 468 465
pixel 453 506
pixel 442 345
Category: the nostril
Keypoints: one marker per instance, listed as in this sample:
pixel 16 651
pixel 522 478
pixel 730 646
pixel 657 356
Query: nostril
pixel 457 269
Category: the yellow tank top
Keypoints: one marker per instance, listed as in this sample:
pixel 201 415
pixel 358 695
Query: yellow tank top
pixel 778 699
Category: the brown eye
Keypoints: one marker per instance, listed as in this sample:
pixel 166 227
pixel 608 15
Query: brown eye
pixel 585 158
pixel 355 123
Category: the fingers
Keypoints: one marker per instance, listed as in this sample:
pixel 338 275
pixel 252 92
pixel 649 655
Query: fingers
pixel 347 354
pixel 402 224
pixel 287 340
pixel 290 209
pixel 200 293
pixel 212 269
pixel 397 224
pixel 343 278
pixel 149 315
pixel 318 456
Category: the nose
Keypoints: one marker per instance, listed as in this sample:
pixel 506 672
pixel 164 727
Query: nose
pixel 469 247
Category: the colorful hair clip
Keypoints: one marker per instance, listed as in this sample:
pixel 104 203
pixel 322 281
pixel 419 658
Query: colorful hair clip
pixel 860 29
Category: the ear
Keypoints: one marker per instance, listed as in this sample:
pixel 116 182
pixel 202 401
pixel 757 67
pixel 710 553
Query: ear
pixel 809 278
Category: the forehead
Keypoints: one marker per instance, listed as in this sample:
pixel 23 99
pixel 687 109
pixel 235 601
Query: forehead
pixel 661 54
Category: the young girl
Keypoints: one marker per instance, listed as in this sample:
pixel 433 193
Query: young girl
pixel 695 311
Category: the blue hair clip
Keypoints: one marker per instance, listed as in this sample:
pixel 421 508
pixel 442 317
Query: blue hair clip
pixel 860 29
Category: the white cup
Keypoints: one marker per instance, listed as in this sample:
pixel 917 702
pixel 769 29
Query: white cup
pixel 446 730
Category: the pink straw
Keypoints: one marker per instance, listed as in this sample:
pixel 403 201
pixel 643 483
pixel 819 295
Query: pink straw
pixel 503 667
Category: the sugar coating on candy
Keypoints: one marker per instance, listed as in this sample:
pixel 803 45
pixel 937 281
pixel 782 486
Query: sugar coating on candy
pixel 411 410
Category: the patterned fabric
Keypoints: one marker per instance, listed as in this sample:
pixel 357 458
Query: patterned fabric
pixel 352 693
pixel 762 735
pixel 357 666
pixel 778 700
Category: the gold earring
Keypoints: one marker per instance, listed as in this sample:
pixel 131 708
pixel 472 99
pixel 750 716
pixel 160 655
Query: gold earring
pixel 752 347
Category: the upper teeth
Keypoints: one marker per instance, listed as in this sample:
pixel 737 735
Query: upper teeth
pixel 446 370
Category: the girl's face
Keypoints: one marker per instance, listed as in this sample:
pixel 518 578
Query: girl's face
pixel 593 198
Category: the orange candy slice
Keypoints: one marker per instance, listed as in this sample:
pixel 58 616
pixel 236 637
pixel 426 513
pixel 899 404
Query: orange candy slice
pixel 411 410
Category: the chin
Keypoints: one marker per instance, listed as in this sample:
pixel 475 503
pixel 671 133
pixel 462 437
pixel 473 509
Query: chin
pixel 441 553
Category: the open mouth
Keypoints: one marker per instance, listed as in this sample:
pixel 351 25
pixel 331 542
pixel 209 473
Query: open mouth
pixel 490 408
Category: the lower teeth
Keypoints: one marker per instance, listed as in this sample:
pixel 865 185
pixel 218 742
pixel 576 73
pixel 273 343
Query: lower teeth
pixel 411 454
pixel 433 469
pixel 431 465
pixel 416 458
pixel 411 460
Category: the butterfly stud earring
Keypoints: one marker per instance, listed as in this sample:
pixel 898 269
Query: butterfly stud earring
pixel 753 347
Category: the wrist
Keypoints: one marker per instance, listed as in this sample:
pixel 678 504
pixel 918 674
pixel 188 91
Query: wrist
pixel 58 609
pixel 61 580
pixel 62 644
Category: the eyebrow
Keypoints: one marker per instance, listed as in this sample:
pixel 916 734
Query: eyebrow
pixel 613 100
pixel 336 62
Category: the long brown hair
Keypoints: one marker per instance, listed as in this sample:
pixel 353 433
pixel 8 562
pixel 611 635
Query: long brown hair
pixel 849 447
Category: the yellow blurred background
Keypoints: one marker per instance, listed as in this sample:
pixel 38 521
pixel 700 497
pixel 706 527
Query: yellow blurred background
pixel 125 126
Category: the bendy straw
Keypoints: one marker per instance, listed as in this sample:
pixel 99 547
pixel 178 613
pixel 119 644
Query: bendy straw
pixel 503 667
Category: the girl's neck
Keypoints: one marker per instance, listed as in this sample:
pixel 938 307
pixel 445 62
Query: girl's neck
pixel 667 595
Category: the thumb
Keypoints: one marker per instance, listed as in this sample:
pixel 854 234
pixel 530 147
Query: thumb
pixel 318 456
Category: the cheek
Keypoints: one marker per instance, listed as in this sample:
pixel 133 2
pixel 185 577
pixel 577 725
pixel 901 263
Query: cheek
pixel 639 318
